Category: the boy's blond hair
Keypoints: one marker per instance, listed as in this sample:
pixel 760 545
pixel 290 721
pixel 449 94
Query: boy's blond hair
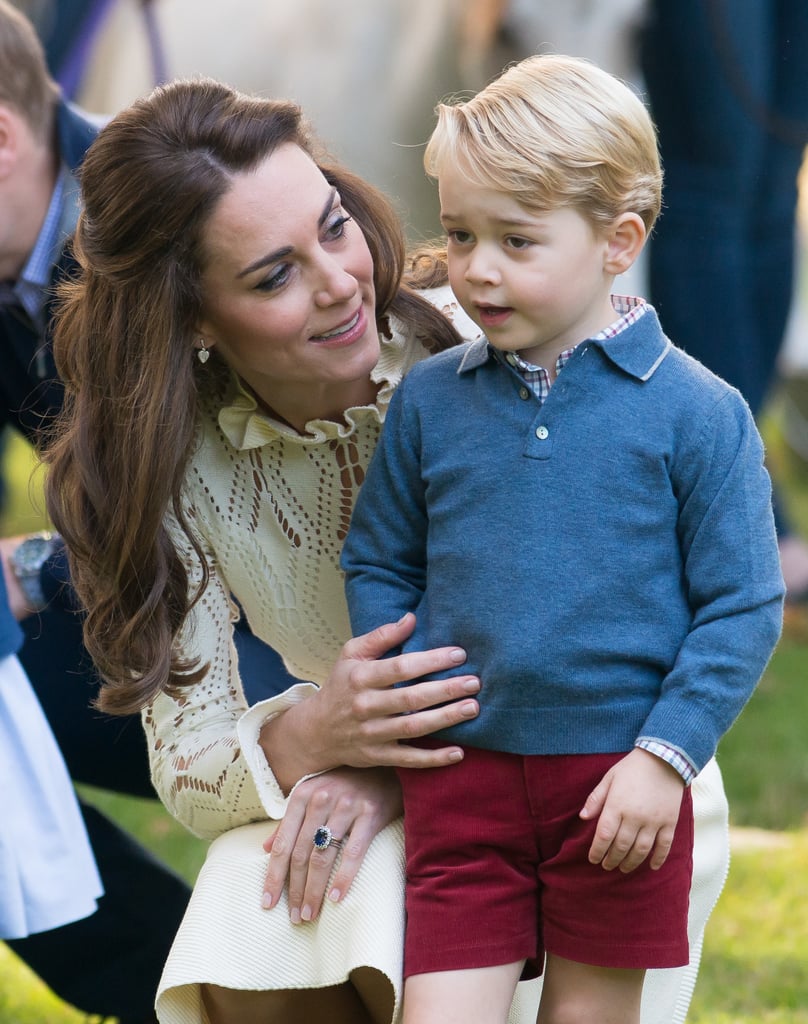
pixel 555 131
pixel 25 83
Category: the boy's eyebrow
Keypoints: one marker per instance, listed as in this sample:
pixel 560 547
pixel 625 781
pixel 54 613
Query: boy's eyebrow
pixel 511 222
pixel 286 250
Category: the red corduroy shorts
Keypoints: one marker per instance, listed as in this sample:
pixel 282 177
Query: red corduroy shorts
pixel 497 870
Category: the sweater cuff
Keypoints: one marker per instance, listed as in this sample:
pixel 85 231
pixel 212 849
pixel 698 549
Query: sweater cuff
pixel 249 728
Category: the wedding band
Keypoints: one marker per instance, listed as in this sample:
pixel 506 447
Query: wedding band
pixel 323 838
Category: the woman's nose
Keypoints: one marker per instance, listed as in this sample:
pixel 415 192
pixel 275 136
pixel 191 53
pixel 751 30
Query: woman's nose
pixel 336 284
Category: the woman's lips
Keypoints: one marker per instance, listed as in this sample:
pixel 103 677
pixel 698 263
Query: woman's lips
pixel 346 333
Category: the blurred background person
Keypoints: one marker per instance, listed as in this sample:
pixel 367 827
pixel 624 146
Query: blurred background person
pixel 110 961
pixel 727 82
pixel 48 875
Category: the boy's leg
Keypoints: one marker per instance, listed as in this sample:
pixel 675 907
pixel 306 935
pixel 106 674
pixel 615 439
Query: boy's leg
pixel 576 993
pixel 479 995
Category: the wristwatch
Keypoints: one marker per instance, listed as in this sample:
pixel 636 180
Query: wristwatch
pixel 26 561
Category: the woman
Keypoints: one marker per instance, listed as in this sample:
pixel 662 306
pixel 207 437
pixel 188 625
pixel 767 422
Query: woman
pixel 229 352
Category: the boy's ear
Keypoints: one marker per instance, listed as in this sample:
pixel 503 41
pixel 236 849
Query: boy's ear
pixel 625 238
pixel 8 141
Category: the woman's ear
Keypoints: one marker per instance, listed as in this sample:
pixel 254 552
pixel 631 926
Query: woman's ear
pixel 625 238
pixel 204 334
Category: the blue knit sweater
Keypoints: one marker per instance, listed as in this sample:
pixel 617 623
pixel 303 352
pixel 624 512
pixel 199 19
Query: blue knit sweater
pixel 607 559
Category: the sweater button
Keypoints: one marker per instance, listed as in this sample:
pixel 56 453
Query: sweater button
pixel 542 433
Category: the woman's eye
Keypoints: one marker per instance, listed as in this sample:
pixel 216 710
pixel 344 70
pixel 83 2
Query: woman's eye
pixel 336 227
pixel 277 279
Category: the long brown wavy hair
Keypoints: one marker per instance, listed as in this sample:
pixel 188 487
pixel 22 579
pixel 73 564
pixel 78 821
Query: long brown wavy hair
pixel 124 348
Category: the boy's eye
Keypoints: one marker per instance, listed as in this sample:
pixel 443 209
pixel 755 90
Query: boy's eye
pixel 515 242
pixel 459 237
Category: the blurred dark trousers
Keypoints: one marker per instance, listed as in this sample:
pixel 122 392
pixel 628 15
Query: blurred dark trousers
pixel 727 82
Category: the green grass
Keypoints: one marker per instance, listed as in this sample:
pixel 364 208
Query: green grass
pixel 756 949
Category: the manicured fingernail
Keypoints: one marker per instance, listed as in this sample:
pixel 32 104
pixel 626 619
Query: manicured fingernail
pixel 294 916
pixel 469 709
pixel 471 685
pixel 306 913
pixel 458 655
pixel 266 900
pixel 334 895
pixel 456 755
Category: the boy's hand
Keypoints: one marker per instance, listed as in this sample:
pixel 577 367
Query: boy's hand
pixel 638 801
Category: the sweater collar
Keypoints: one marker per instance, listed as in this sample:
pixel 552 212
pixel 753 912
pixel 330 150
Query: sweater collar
pixel 639 350
pixel 245 425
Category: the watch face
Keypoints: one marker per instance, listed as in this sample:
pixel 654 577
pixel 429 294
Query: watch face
pixel 32 553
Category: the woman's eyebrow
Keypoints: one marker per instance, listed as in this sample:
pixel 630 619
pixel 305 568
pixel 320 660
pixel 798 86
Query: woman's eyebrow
pixel 286 250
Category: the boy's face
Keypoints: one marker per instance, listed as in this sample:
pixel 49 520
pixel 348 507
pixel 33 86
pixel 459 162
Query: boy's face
pixel 536 283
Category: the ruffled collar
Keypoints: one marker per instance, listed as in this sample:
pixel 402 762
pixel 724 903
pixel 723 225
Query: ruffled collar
pixel 246 426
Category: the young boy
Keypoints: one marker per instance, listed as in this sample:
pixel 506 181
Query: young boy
pixel 584 509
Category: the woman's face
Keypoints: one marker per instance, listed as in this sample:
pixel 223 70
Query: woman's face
pixel 288 297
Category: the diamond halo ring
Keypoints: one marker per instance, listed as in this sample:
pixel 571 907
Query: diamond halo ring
pixel 324 837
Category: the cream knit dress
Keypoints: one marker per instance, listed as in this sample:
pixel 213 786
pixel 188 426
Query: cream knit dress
pixel 271 508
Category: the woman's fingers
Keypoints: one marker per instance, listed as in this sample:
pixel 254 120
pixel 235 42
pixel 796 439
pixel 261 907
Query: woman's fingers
pixel 344 809
pixel 404 668
pixel 311 864
pixel 346 845
pixel 280 846
pixel 372 670
pixel 387 720
pixel 373 645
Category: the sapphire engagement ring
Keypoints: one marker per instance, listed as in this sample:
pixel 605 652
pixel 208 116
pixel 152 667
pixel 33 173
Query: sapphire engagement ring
pixel 323 838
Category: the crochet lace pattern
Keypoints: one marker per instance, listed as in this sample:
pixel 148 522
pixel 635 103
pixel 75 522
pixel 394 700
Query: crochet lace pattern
pixel 271 509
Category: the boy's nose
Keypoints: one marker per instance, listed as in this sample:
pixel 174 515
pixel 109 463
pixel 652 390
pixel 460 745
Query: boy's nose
pixel 481 268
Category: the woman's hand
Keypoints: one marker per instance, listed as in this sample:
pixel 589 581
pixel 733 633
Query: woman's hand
pixel 370 720
pixel 359 718
pixel 355 804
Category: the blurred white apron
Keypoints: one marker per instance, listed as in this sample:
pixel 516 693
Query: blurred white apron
pixel 48 875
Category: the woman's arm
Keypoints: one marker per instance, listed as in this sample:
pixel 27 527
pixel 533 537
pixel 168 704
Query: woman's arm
pixel 197 763
pixel 212 780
